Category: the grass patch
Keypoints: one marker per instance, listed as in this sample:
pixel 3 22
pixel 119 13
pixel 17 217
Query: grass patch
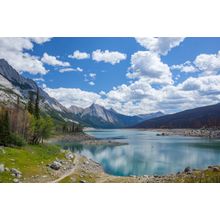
pixel 31 160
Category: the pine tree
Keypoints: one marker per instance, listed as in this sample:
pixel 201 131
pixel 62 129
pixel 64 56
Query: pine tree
pixel 37 108
pixel 30 103
pixel 4 129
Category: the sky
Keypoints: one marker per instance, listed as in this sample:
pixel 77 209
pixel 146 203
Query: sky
pixel 130 75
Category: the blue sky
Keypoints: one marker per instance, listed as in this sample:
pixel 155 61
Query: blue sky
pixel 107 75
pixel 131 75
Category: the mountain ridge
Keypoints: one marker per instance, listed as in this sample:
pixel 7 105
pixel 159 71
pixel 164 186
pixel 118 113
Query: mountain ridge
pixel 205 116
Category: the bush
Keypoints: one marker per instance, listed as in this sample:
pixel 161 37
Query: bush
pixel 16 140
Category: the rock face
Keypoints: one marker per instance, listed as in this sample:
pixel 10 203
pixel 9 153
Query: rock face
pixel 55 165
pixel 2 168
pixel 100 117
pixel 11 80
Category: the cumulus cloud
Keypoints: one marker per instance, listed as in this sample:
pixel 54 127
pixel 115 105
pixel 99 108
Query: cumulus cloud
pixel 209 64
pixel 107 56
pixel 92 75
pixel 149 66
pixel 78 69
pixel 73 96
pixel 79 55
pixel 53 61
pixel 91 83
pixel 159 45
pixel 15 51
pixel 186 67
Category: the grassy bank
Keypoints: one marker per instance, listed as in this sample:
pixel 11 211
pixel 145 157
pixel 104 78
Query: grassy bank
pixel 31 160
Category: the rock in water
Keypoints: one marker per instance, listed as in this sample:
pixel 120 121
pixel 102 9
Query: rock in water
pixel 55 165
pixel 2 168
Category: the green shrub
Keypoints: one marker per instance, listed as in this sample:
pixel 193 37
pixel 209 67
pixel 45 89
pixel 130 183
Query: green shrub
pixel 16 140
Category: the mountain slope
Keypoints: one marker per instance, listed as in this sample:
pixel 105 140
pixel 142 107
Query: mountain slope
pixel 99 117
pixel 13 84
pixel 207 116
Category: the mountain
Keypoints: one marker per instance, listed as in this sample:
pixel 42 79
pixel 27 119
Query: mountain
pixel 99 117
pixel 207 116
pixel 75 110
pixel 151 115
pixel 12 84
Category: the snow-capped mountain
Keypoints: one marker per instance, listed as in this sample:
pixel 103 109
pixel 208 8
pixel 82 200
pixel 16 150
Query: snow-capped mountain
pixel 100 117
pixel 12 84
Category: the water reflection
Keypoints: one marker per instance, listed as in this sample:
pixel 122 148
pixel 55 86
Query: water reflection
pixel 148 154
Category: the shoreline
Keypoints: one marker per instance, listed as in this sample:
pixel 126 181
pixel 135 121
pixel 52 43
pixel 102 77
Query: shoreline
pixel 83 139
pixel 187 132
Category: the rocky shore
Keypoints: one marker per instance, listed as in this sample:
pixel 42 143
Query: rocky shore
pixel 83 139
pixel 203 132
pixel 88 171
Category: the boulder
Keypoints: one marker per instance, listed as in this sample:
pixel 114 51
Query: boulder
pixel 69 156
pixel 187 170
pixel 55 165
pixel 2 168
pixel 16 172
pixel 216 169
pixel 15 180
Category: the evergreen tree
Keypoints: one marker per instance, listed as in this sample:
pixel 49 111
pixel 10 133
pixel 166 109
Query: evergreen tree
pixel 4 129
pixel 30 106
pixel 37 108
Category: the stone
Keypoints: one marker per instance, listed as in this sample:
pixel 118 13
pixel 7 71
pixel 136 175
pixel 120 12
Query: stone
pixel 55 165
pixel 16 172
pixel 69 156
pixel 216 169
pixel 2 168
pixel 7 169
pixel 187 170
pixel 15 180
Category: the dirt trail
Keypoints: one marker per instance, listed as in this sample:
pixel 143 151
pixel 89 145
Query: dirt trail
pixel 70 172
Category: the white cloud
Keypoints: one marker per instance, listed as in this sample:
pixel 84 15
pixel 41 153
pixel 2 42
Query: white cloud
pixel 79 55
pixel 15 51
pixel 53 61
pixel 186 67
pixel 92 75
pixel 159 45
pixel 40 40
pixel 39 79
pixel 209 64
pixel 149 65
pixel 73 96
pixel 78 69
pixel 91 83
pixel 107 56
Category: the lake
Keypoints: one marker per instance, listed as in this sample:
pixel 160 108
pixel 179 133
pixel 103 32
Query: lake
pixel 149 154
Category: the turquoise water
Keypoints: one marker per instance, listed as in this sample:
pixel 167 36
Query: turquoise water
pixel 149 154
